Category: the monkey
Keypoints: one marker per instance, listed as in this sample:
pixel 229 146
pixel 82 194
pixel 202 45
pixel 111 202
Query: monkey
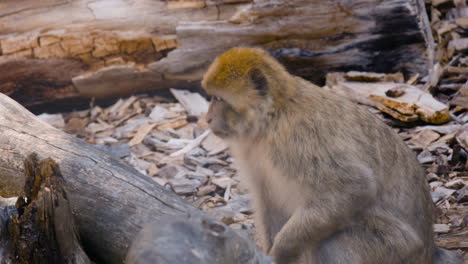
pixel 331 183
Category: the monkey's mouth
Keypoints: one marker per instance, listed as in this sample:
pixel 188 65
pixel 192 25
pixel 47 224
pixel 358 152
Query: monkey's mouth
pixel 224 132
pixel 220 133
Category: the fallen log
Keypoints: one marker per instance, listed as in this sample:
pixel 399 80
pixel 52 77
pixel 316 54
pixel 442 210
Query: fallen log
pixel 114 48
pixel 110 202
pixel 42 230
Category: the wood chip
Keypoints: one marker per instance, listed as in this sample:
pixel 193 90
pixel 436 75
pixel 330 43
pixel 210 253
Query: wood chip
pixel 412 102
pixel 439 2
pixel 76 125
pixel 158 113
pixel 456 70
pixel 174 124
pixel 455 184
pixel 444 129
pixel 194 4
pixel 424 138
pixel 462 137
pixel 192 145
pixel 373 77
pixel 194 103
pixel 459 44
pixel 55 120
pixel 441 228
pixel 214 144
pixel 141 133
pixel 435 74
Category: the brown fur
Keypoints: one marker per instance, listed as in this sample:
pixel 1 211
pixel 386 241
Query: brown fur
pixel 331 183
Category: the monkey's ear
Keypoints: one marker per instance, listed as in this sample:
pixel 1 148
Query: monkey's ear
pixel 259 80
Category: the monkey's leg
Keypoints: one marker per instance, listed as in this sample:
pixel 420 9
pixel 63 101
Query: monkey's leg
pixel 380 240
pixel 326 211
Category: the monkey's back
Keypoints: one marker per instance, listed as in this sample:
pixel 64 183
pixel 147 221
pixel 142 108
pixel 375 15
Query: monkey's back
pixel 336 135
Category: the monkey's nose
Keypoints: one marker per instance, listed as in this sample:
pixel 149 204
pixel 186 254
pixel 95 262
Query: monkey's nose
pixel 209 119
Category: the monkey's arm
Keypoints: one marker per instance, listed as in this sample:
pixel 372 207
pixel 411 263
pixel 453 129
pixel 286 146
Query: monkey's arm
pixel 329 208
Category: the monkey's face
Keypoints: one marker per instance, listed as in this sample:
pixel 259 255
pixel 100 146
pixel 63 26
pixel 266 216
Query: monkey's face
pixel 240 114
pixel 223 118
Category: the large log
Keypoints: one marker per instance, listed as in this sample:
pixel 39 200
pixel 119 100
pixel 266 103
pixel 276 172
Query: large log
pixel 110 201
pixel 120 47
pixel 42 230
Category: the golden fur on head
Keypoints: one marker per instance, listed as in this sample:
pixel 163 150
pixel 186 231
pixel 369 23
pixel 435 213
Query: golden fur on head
pixel 229 73
pixel 231 65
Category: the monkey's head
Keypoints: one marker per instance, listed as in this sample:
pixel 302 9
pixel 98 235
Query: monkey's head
pixel 248 87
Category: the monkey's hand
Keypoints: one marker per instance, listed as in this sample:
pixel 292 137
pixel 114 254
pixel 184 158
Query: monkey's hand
pixel 284 255
pixel 328 209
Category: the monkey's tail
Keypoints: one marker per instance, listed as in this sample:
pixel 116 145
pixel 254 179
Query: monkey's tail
pixel 443 256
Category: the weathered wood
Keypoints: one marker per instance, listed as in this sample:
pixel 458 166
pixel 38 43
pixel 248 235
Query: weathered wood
pixel 5 243
pixel 123 47
pixel 110 201
pixel 44 231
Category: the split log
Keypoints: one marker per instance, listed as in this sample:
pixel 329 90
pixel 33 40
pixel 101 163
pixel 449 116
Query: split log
pixel 121 47
pixel 110 201
pixel 43 230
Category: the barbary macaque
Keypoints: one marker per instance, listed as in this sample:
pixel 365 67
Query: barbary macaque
pixel 331 183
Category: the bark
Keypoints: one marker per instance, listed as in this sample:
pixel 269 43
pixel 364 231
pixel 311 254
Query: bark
pixel 43 230
pixel 114 48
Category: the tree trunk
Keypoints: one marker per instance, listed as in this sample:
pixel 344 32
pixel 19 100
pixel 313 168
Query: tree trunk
pixel 110 201
pixel 59 50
